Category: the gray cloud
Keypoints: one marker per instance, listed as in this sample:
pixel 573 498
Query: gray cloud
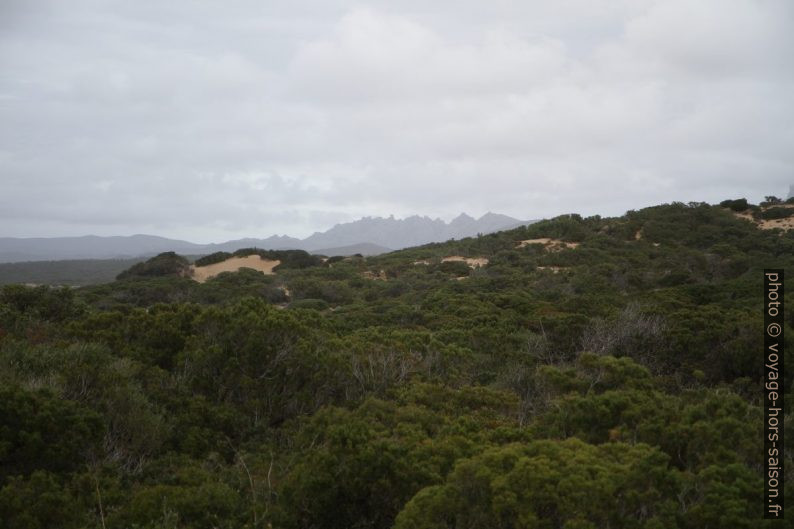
pixel 208 120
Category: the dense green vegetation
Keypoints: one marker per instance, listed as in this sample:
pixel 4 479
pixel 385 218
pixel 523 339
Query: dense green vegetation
pixel 777 213
pixel 73 272
pixel 612 384
pixel 165 264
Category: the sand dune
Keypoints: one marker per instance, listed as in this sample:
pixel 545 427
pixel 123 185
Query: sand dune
pixel 203 273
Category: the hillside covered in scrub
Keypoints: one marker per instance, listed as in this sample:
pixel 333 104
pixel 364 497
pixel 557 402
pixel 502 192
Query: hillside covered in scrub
pixel 573 373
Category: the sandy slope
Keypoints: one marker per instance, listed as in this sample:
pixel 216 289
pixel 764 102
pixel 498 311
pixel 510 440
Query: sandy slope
pixel 202 273
pixel 471 261
pixel 552 245
pixel 784 224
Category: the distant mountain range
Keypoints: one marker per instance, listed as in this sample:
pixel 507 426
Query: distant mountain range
pixel 367 236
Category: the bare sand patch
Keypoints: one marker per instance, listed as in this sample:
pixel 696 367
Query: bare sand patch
pixel 380 276
pixel 203 273
pixel 422 262
pixel 784 223
pixel 473 262
pixel 746 215
pixel 553 269
pixel 638 235
pixel 552 245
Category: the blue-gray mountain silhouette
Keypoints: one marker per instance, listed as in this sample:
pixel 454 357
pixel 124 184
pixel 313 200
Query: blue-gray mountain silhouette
pixel 369 235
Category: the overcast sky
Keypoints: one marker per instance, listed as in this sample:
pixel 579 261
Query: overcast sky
pixel 210 120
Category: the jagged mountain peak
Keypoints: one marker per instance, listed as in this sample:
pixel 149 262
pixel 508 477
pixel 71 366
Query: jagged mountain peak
pixel 463 217
pixel 410 231
pixel 378 232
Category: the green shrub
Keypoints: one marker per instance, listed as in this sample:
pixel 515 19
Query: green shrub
pixel 457 268
pixel 740 204
pixel 314 304
pixel 217 257
pixel 164 264
pixel 777 213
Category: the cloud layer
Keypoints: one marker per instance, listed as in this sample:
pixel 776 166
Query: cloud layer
pixel 208 120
